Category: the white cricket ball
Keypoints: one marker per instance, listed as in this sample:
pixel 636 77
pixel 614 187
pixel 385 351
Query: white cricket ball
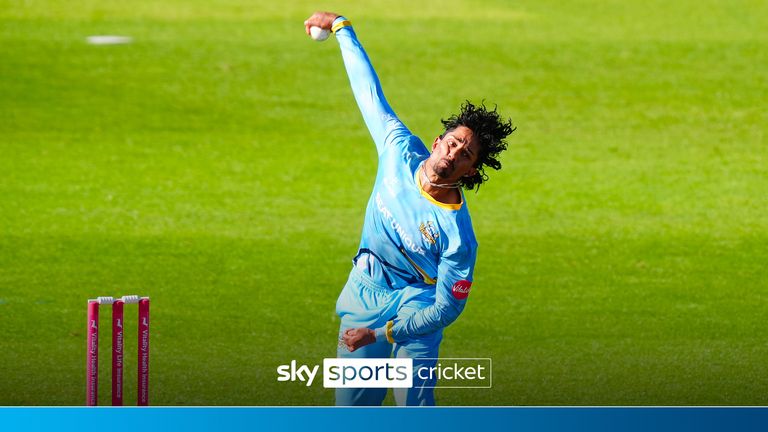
pixel 319 34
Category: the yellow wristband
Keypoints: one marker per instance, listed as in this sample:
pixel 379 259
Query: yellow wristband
pixel 389 331
pixel 340 25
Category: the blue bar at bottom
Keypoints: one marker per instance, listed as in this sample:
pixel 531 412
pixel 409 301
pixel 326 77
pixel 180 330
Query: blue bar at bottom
pixel 389 419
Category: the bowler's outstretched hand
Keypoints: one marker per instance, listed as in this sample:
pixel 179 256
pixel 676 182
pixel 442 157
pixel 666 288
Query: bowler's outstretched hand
pixel 324 20
pixel 356 338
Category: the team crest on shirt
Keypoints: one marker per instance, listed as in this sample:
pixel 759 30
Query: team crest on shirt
pixel 460 289
pixel 429 232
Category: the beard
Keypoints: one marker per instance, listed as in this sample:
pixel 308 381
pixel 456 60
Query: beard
pixel 443 168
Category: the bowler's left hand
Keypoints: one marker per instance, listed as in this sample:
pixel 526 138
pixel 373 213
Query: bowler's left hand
pixel 356 338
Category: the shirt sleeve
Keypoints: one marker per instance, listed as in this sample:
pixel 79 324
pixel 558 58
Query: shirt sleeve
pixel 382 123
pixel 454 280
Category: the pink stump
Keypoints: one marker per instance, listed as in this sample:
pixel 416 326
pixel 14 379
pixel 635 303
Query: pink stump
pixel 117 352
pixel 143 388
pixel 92 361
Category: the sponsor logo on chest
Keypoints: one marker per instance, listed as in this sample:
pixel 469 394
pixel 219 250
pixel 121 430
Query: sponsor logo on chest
pixel 390 219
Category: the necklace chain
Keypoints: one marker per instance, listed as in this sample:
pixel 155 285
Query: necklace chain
pixel 444 186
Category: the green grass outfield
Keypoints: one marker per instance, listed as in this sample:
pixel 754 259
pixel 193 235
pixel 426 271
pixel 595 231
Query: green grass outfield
pixel 219 164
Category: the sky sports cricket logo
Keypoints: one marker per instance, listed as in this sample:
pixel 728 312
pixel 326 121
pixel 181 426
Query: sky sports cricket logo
pixel 392 372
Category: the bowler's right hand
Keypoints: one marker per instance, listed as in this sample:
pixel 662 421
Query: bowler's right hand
pixel 324 20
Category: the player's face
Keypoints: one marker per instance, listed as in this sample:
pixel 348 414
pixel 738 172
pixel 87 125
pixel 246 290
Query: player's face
pixel 454 156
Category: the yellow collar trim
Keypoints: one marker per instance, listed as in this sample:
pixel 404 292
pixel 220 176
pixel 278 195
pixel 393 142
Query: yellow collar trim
pixel 417 179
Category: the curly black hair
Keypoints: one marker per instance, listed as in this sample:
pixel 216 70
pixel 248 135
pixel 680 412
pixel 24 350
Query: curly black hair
pixel 491 131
